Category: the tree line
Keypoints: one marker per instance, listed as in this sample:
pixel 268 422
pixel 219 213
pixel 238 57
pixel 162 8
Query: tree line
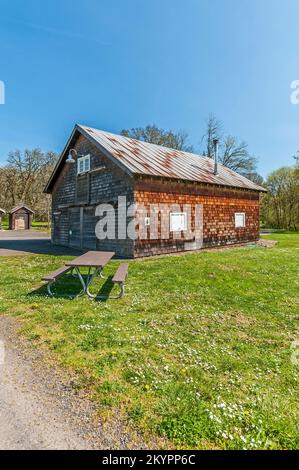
pixel 25 174
pixel 279 206
pixel 23 179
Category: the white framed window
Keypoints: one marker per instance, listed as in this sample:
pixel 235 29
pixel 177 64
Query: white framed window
pixel 178 221
pixel 83 164
pixel 239 219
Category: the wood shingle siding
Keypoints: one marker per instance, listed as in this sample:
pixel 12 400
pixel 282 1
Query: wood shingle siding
pixel 75 226
pixel 75 198
pixel 219 211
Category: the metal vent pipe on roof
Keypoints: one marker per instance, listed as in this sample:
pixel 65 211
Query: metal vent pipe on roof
pixel 216 147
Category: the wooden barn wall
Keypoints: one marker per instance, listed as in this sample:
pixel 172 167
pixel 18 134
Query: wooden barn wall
pixel 75 197
pixel 219 208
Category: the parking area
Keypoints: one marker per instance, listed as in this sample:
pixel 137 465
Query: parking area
pixel 20 242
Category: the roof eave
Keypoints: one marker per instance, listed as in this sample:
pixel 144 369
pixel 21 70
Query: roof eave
pixel 258 189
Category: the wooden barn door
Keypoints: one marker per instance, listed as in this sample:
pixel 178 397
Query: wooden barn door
pixel 88 228
pixel 82 223
pixel 56 229
pixel 75 224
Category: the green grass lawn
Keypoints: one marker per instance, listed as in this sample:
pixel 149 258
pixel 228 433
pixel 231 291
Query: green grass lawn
pixel 198 351
pixel 42 226
pixel 36 225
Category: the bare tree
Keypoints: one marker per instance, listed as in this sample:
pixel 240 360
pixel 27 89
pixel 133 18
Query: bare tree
pixel 235 155
pixel 24 178
pixel 255 178
pixel 213 131
pixel 154 135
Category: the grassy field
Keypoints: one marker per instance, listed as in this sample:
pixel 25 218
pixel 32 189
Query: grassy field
pixel 36 225
pixel 198 351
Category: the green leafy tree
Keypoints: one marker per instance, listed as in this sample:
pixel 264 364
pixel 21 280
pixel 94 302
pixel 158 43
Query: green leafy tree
pixel 280 206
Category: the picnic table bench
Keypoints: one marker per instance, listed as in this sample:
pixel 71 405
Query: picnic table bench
pixel 118 278
pixel 94 261
pixel 53 276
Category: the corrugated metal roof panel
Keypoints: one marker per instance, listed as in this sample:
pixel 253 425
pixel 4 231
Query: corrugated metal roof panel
pixel 154 160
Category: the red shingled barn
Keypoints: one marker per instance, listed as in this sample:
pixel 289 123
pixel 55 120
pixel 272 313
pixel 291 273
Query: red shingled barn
pixel 104 166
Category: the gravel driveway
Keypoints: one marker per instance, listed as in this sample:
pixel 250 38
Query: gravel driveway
pixel 40 410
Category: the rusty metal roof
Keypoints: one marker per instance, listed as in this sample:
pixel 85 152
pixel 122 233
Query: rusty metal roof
pixel 149 159
pixel 142 158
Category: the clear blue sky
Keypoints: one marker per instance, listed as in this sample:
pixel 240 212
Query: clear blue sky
pixel 116 64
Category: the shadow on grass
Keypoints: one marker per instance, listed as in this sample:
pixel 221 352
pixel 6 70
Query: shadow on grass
pixel 70 285
pixel 105 289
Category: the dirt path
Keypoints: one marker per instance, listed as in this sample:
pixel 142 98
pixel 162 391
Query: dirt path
pixel 40 410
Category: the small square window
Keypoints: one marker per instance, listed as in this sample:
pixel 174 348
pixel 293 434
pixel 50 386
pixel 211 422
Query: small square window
pixel 83 164
pixel 178 221
pixel 87 164
pixel 239 219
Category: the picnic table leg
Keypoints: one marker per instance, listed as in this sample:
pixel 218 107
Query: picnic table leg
pixel 81 279
pixel 97 272
pixel 90 278
pixel 108 297
pixel 49 288
pixel 71 296
pixel 72 272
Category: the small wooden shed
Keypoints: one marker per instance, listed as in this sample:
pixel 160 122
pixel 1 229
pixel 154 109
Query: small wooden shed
pixel 20 218
pixel 2 213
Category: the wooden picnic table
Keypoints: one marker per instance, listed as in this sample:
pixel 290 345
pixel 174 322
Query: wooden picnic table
pixel 96 260
pixel 92 259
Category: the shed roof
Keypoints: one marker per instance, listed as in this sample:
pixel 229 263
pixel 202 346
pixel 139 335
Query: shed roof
pixel 142 158
pixel 21 206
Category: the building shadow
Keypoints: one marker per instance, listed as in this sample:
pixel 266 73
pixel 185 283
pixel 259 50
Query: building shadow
pixel 35 246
